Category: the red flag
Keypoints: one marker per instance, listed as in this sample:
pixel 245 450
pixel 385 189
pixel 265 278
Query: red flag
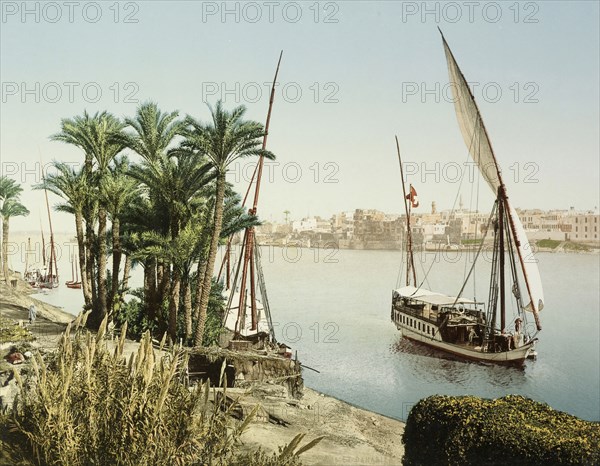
pixel 412 197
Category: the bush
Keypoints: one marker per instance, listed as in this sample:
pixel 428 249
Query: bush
pixel 467 430
pixel 11 331
pixel 548 243
pixel 89 405
pixel 131 312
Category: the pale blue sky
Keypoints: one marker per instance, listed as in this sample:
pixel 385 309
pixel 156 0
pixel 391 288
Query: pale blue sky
pixel 374 63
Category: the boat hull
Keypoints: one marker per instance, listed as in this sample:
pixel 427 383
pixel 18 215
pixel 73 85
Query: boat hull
pixel 429 336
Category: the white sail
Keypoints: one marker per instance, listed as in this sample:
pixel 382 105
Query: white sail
pixel 471 124
pixel 477 140
pixel 528 264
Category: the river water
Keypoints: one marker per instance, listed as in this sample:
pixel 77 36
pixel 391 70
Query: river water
pixel 333 307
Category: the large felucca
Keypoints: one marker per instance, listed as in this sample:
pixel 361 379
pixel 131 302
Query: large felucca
pixel 462 326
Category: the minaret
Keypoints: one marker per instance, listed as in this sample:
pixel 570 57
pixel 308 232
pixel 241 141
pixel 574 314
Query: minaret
pixel 433 209
pixel 460 203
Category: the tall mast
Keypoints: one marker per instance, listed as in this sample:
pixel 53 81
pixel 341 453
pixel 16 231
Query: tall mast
pixel 27 256
pixel 249 234
pixel 410 263
pixel 43 245
pixel 52 261
pixel 501 252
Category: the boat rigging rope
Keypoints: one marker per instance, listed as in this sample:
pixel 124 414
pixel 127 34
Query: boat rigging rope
pixel 478 252
pixel 451 215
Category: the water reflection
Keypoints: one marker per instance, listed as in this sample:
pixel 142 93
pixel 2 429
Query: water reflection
pixel 437 366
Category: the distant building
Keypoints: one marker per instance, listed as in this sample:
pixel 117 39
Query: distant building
pixel 583 227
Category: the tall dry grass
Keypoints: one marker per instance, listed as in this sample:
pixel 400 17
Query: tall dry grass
pixel 90 405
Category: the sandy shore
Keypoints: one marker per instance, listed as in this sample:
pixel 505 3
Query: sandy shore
pixel 353 436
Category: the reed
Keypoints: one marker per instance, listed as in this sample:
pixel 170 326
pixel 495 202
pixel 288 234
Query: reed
pixel 89 405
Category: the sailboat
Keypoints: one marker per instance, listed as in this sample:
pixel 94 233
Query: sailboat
pixel 74 283
pixel 49 278
pixel 32 274
pixel 247 319
pixel 463 327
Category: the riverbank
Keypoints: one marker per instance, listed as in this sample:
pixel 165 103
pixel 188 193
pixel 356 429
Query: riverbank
pixel 352 436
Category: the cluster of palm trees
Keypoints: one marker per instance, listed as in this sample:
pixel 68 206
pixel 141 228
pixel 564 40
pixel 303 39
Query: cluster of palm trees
pixel 10 206
pixel 165 207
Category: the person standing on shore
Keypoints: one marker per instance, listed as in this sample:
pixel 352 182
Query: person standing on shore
pixel 32 313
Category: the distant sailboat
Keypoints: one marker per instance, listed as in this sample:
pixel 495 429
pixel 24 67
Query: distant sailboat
pixel 461 326
pixel 49 278
pixel 32 272
pixel 74 283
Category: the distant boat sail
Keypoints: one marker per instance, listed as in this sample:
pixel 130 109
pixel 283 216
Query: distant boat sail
pixel 461 326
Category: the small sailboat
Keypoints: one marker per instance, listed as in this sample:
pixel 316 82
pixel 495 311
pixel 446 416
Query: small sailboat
pixel 247 340
pixel 74 283
pixel 33 273
pixel 49 277
pixel 247 319
pixel 463 327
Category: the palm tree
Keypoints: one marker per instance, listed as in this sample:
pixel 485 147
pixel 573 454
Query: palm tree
pixel 179 252
pixel 153 133
pixel 117 191
pixel 223 141
pixel 74 187
pixel 10 208
pixel 9 191
pixel 98 137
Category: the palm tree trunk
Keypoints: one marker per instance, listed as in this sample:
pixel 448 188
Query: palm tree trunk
pixel 204 237
pixel 164 281
pixel 5 247
pixel 212 256
pixel 162 278
pixel 87 292
pixel 147 297
pixel 174 304
pixel 187 306
pixel 199 281
pixel 150 288
pixel 116 262
pixel 102 262
pixel 89 263
pixel 126 272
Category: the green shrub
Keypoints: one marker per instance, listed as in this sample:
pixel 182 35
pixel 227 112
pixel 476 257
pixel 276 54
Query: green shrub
pixel 131 312
pixel 11 331
pixel 569 245
pixel 467 430
pixel 548 243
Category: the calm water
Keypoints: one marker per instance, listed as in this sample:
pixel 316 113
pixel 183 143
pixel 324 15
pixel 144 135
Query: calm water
pixel 333 308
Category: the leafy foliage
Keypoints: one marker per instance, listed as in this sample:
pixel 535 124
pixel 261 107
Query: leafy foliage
pixel 11 331
pixel 468 430
pixel 548 243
